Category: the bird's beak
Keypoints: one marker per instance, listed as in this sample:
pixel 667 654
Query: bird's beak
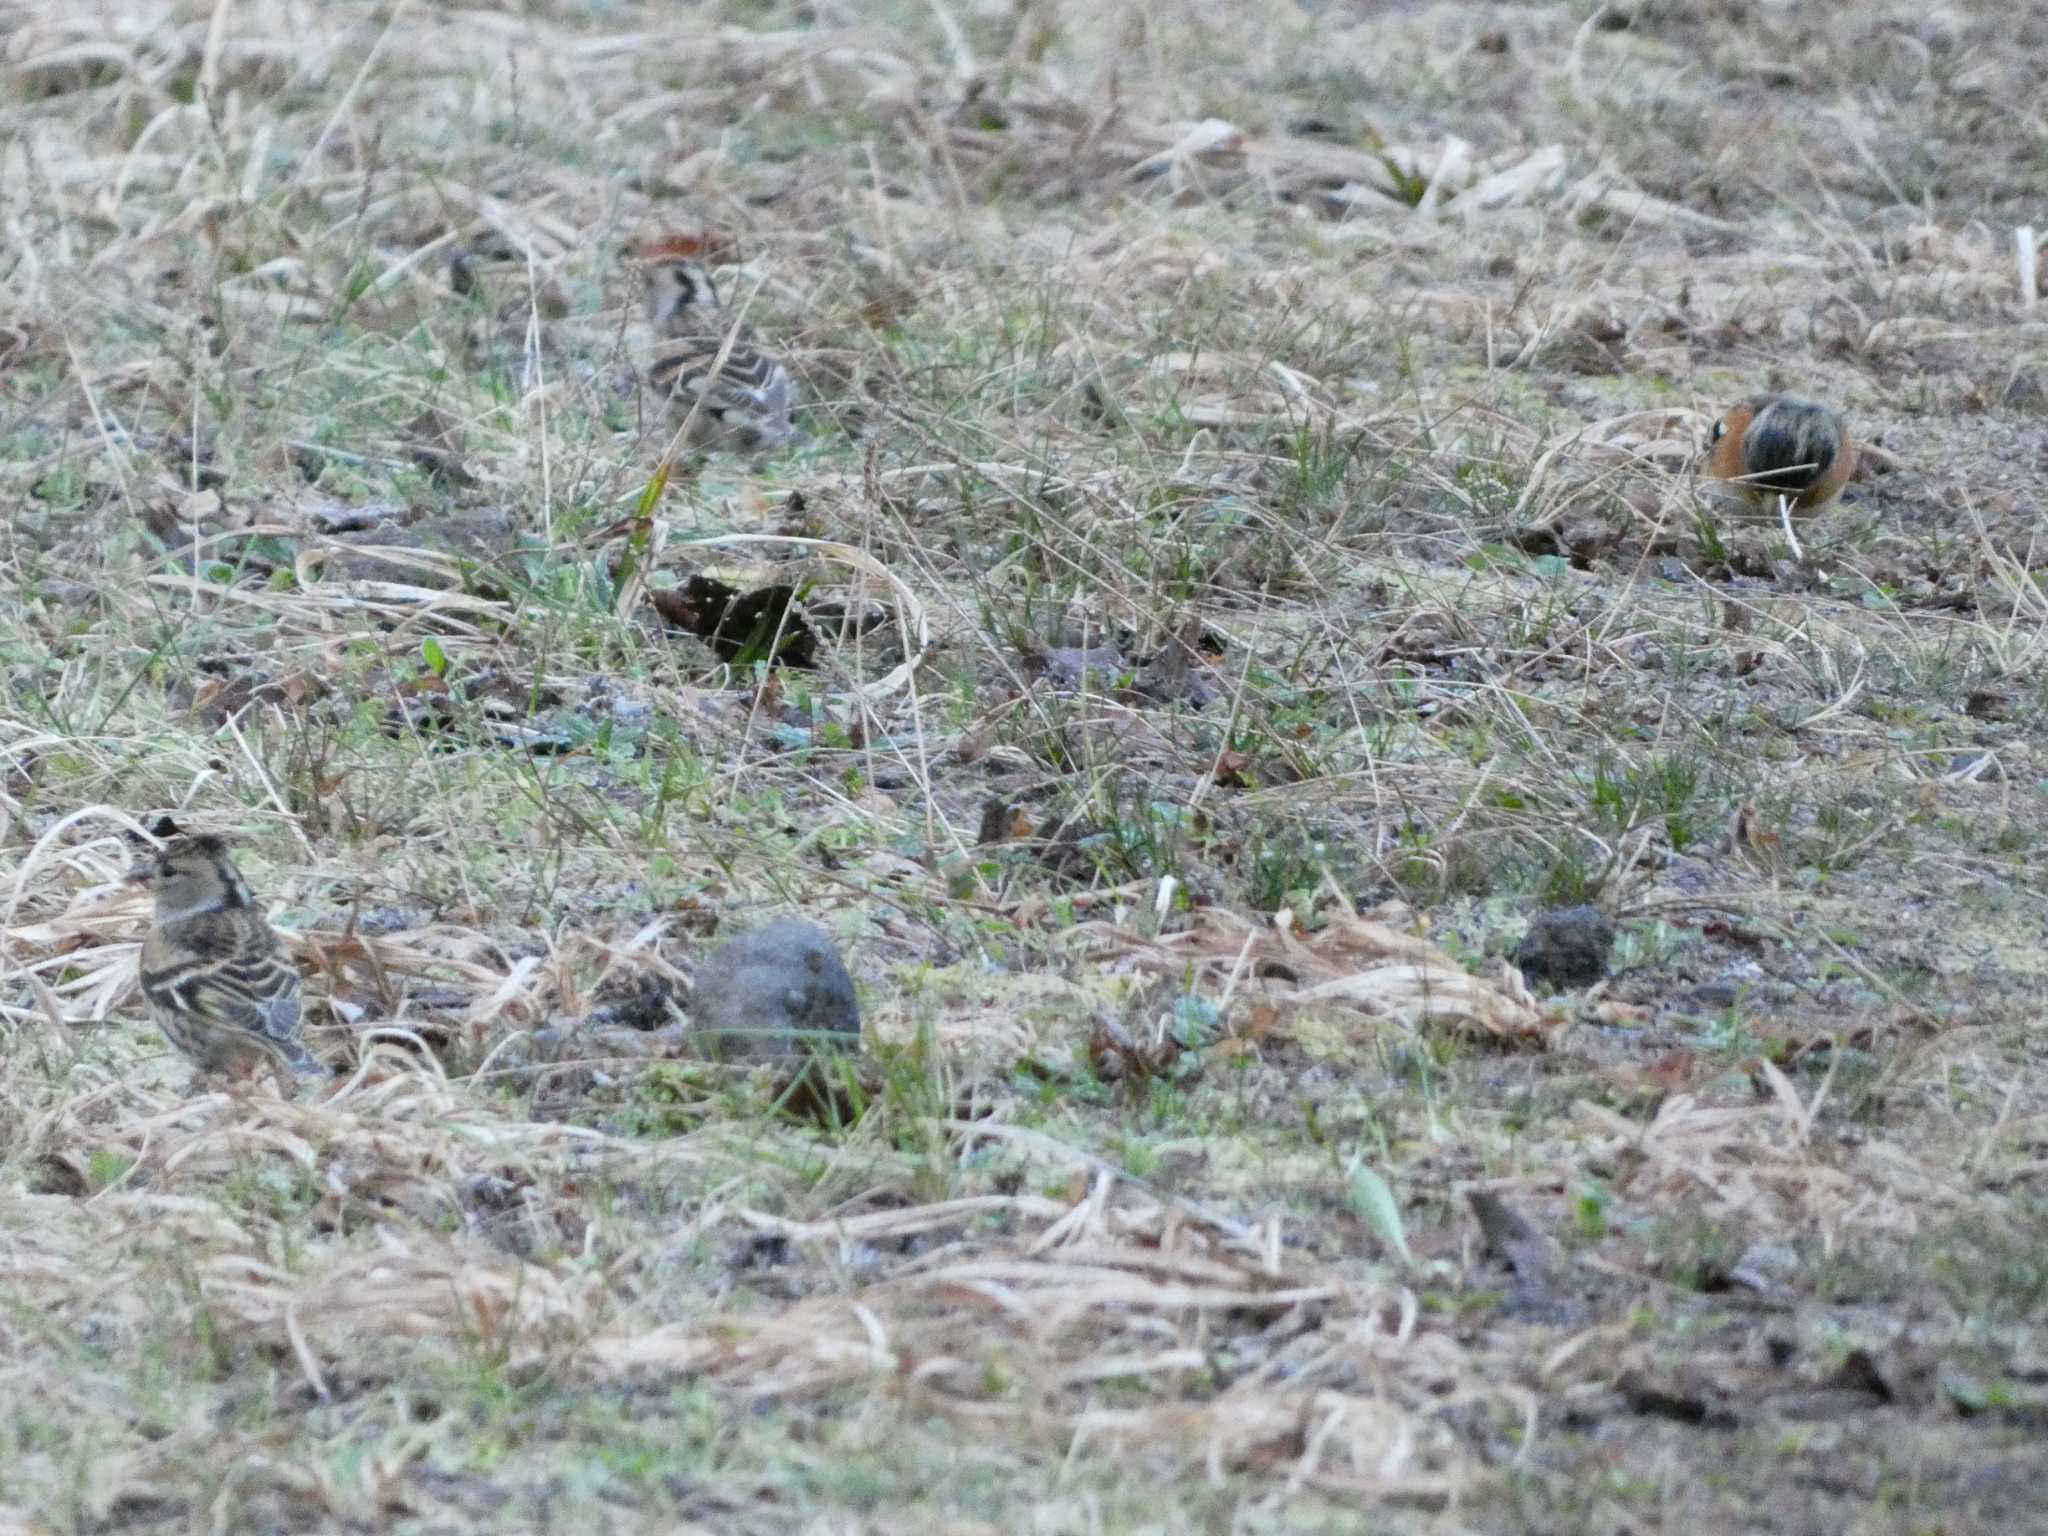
pixel 139 875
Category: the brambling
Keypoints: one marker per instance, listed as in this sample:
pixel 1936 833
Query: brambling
pixel 214 973
pixel 1780 445
pixel 742 401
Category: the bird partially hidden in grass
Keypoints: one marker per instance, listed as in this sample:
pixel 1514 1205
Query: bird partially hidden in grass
pixel 214 973
pixel 1780 446
pixel 730 393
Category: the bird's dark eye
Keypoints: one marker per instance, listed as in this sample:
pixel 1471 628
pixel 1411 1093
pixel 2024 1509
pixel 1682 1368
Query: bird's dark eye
pixel 1720 431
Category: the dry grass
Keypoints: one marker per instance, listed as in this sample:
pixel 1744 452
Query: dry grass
pixel 1254 441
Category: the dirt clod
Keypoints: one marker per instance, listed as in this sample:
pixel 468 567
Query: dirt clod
pixel 1567 947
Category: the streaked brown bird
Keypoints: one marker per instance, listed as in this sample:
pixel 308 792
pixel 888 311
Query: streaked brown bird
pixel 1781 445
pixel 214 973
pixel 741 400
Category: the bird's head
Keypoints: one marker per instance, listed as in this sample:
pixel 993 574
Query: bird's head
pixel 190 872
pixel 675 285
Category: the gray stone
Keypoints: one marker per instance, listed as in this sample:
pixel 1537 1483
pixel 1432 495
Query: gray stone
pixel 1767 1268
pixel 773 991
pixel 2026 390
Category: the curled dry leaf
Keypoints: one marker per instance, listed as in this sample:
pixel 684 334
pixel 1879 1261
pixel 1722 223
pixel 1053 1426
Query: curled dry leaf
pixel 740 627
pixel 907 610
pixel 1358 963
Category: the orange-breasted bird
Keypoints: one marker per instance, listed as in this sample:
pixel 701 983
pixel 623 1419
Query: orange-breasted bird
pixel 1780 445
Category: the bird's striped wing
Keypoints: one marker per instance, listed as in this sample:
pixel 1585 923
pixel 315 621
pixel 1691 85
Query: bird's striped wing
pixel 749 389
pixel 252 995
